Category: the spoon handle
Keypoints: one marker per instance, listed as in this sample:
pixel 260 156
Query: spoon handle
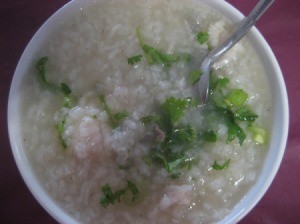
pixel 244 27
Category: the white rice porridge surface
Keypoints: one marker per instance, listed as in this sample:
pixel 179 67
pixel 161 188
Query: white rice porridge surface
pixel 89 52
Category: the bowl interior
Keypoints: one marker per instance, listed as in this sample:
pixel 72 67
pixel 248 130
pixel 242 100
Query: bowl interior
pixel 278 137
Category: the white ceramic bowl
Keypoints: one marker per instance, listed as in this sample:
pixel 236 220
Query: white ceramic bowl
pixel 278 137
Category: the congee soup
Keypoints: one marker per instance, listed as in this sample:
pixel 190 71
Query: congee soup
pixel 112 125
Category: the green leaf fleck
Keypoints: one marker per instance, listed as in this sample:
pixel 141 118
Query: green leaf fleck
pixel 60 130
pixel 170 164
pixel 149 119
pixel 184 134
pixel 119 116
pixel 235 131
pixel 237 97
pixel 209 136
pixel 155 56
pixel 134 190
pixel 192 102
pixel 245 114
pixel 109 197
pixel 259 134
pixel 65 89
pixel 193 77
pixel 69 101
pixel 41 67
pixel 134 59
pixel 174 108
pixel 202 37
pixel 116 118
pixel 225 165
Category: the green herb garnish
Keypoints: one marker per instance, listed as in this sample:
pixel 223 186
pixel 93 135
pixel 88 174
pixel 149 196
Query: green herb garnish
pixel 230 106
pixel 245 114
pixel 179 138
pixel 193 77
pixel 235 131
pixel 119 116
pixel 134 59
pixel 217 83
pixel 60 130
pixel 155 56
pixel 174 108
pixel 202 37
pixel 109 197
pixel 41 67
pixel 69 101
pixel 114 118
pixel 192 102
pixel 183 134
pixel 149 119
pixel 237 97
pixel 171 161
pixel 65 89
pixel 225 165
pixel 209 136
pixel 259 134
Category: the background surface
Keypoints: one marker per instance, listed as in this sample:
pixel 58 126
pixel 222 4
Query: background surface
pixel 20 19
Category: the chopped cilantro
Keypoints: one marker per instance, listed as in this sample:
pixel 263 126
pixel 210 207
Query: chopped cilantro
pixel 235 131
pixel 209 136
pixel 109 197
pixel 65 89
pixel 172 165
pixel 133 189
pixel 193 77
pixel 245 114
pixel 202 37
pixel 179 136
pixel 120 116
pixel 218 82
pixel 175 108
pixel 192 102
pixel 60 130
pixel 230 106
pixel 116 118
pixel 155 56
pixel 134 59
pixel 149 119
pixel 259 134
pixel 170 161
pixel 216 166
pixel 41 67
pixel 69 101
pixel 183 134
pixel 237 97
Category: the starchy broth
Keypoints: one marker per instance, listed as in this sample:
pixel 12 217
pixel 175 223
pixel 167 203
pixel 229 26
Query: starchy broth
pixel 89 52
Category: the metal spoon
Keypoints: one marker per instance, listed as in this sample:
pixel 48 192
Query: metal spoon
pixel 245 26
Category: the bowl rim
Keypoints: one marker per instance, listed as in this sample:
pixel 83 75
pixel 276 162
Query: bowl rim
pixel 281 107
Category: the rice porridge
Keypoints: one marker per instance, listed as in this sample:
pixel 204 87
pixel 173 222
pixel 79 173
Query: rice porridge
pixel 112 125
